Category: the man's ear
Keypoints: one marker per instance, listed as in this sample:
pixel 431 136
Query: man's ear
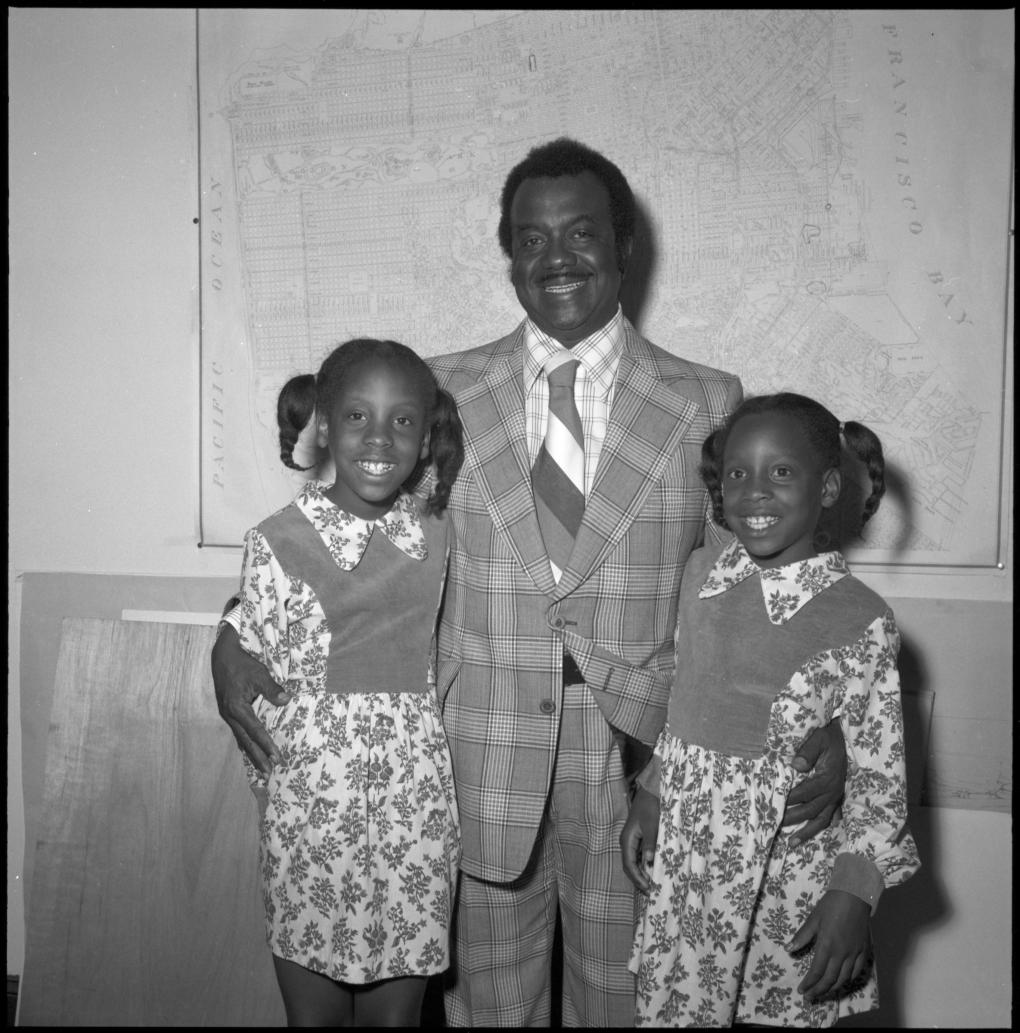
pixel 623 256
pixel 832 485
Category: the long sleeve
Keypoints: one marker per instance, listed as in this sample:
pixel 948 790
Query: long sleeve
pixel 875 807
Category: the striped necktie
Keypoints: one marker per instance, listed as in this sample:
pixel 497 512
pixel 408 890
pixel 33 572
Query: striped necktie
pixel 557 478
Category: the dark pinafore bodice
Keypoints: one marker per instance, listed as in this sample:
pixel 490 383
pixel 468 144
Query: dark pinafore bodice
pixel 381 615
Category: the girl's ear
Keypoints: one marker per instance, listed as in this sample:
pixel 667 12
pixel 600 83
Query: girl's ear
pixel 321 431
pixel 423 452
pixel 832 485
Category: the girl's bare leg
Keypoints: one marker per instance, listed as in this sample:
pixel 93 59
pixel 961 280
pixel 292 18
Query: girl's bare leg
pixel 312 999
pixel 392 1002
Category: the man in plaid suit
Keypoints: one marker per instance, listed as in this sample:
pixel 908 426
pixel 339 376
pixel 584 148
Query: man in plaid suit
pixel 554 691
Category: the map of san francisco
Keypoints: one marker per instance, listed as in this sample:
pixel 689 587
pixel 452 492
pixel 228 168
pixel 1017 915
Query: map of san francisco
pixel 825 200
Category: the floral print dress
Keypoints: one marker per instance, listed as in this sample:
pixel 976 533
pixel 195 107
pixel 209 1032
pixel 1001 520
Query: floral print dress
pixel 359 833
pixel 763 658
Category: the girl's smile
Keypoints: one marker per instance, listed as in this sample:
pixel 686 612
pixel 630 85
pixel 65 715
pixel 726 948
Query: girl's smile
pixel 760 524
pixel 375 469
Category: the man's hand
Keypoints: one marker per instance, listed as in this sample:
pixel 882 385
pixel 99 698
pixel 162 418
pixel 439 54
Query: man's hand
pixel 634 754
pixel 815 800
pixel 840 930
pixel 639 836
pixel 239 679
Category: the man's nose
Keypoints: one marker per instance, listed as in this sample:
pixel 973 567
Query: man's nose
pixel 557 253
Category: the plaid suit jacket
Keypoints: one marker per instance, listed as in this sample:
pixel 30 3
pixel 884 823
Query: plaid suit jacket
pixel 506 622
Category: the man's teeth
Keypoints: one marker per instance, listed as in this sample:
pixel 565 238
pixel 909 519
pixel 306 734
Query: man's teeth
pixel 759 523
pixel 376 468
pixel 563 288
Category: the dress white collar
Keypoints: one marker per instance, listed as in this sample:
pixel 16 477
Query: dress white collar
pixel 347 536
pixel 785 590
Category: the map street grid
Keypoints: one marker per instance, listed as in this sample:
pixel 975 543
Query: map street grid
pixel 786 160
pixel 825 202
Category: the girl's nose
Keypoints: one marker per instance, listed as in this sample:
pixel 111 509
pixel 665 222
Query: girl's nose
pixel 377 432
pixel 758 487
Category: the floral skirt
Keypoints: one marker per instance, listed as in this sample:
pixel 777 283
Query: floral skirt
pixel 728 894
pixel 360 836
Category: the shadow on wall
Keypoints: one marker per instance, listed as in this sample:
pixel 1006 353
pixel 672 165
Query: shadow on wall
pixel 640 270
pixel 840 526
pixel 907 912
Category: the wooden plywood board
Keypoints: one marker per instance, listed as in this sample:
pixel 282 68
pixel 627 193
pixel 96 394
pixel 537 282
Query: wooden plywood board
pixel 144 907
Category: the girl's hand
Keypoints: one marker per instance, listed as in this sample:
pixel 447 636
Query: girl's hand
pixel 840 929
pixel 639 836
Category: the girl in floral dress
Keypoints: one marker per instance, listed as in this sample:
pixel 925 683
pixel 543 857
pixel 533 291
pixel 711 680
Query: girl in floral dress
pixel 774 639
pixel 339 595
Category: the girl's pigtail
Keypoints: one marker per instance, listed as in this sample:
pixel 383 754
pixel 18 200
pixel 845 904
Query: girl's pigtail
pixel 865 445
pixel 294 408
pixel 446 445
pixel 709 471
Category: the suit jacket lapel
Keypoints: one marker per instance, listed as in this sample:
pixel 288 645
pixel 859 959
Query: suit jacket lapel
pixel 492 412
pixel 646 424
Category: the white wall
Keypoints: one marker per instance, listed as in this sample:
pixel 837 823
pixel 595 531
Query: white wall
pixel 103 317
pixel 104 419
pixel 104 292
pixel 943 940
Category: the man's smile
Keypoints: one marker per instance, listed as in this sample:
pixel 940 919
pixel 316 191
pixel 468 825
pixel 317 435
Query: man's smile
pixel 563 288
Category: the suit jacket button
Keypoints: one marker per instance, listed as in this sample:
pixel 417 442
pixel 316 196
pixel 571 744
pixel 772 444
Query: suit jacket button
pixel 547 706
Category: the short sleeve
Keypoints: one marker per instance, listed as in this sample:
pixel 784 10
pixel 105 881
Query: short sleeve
pixel 260 618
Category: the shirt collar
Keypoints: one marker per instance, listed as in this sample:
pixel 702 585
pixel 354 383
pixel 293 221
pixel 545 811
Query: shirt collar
pixel 785 590
pixel 599 353
pixel 347 536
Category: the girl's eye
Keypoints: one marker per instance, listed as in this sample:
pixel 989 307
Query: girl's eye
pixel 735 475
pixel 782 471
